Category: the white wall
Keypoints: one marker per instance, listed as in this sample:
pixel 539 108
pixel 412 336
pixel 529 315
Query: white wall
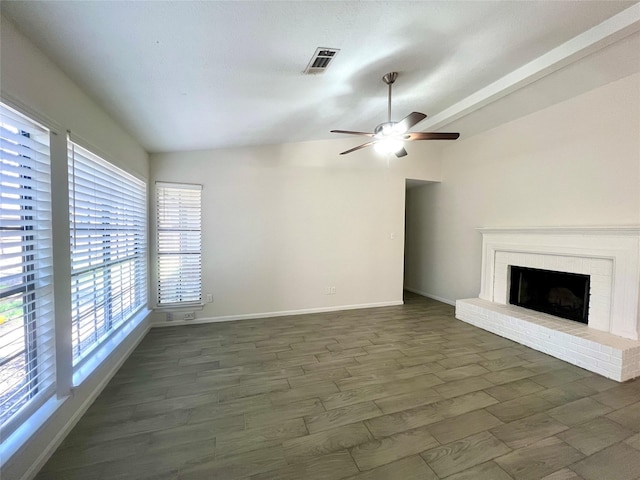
pixel 282 222
pixel 574 163
pixel 36 86
pixel 32 80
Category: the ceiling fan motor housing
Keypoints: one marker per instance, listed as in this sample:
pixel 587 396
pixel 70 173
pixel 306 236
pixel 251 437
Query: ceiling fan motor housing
pixel 384 129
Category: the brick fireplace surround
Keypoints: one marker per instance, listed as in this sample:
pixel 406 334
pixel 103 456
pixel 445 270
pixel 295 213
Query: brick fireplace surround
pixel 609 345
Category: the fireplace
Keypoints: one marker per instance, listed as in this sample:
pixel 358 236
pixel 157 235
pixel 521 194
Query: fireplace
pixel 562 294
pixel 535 281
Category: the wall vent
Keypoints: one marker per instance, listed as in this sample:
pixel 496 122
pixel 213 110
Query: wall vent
pixel 321 60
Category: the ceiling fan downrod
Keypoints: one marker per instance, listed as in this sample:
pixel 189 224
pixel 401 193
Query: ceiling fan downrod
pixel 389 78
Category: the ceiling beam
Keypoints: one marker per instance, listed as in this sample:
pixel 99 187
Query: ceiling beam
pixel 602 35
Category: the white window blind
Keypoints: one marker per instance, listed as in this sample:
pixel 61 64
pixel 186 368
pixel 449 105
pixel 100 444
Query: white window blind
pixel 27 355
pixel 178 236
pixel 108 248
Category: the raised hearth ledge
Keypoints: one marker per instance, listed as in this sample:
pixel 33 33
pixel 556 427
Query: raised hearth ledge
pixel 600 352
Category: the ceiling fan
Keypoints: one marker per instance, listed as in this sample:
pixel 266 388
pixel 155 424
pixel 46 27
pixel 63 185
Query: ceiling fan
pixel 389 137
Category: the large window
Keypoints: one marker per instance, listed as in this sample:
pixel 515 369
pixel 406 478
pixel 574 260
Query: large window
pixel 178 240
pixel 27 355
pixel 108 248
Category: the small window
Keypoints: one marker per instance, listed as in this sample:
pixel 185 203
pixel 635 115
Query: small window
pixel 108 218
pixel 178 238
pixel 27 350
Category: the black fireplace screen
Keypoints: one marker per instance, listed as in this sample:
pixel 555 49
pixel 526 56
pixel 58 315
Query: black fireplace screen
pixel 561 294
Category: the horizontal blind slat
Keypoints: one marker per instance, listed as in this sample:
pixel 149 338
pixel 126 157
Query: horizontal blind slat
pixel 108 218
pixel 27 352
pixel 179 243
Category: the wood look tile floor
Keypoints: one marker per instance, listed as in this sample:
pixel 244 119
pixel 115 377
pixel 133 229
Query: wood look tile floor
pixel 404 393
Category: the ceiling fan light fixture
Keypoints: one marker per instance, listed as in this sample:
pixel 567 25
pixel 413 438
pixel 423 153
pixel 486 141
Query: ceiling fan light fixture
pixel 388 145
pixel 389 137
pixel 399 129
pixel 384 130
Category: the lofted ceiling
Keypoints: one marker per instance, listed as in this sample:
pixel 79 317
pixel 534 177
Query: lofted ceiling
pixel 187 75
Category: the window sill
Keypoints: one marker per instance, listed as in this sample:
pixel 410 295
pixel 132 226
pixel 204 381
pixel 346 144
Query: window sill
pixel 179 308
pixel 12 444
pixel 89 364
pixel 24 432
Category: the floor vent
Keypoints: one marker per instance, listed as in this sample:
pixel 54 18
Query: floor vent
pixel 321 60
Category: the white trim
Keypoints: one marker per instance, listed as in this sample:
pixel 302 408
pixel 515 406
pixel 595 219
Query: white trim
pixel 178 307
pixel 284 313
pixel 87 365
pixel 21 435
pixel 583 246
pixel 590 229
pixel 77 415
pixel 184 186
pixel 429 295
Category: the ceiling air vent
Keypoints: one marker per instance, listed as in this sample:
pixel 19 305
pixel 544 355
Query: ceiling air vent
pixel 321 60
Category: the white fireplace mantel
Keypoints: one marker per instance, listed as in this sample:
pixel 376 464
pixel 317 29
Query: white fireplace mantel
pixel 610 255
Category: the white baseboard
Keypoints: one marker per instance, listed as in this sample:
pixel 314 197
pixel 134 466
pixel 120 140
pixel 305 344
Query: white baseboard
pixel 428 295
pixel 251 316
pixel 55 442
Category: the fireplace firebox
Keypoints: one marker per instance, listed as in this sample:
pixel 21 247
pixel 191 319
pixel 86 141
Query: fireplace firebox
pixel 562 294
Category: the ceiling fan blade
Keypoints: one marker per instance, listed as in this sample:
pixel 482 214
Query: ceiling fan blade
pixel 357 148
pixel 432 136
pixel 401 153
pixel 409 121
pixel 349 132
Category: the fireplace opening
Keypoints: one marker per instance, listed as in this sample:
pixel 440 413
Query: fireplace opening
pixel 561 294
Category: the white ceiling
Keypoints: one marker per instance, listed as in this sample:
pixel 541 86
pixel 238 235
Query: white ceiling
pixel 186 75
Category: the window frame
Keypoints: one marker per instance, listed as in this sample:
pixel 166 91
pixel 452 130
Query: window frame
pixel 174 244
pixel 25 177
pixel 95 266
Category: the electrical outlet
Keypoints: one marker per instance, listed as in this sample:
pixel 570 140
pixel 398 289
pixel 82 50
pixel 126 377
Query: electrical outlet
pixel 209 298
pixel 169 317
pixel 327 290
pixel 333 290
pixel 189 316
